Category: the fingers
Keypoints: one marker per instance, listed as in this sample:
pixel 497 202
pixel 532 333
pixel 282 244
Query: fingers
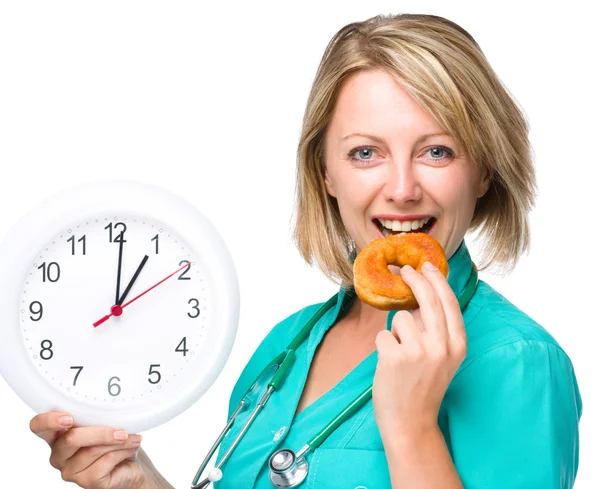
pixel 93 436
pixel 440 312
pixel 98 473
pixel 48 426
pixel 87 458
pixel 432 311
pixel 85 455
pixel 449 303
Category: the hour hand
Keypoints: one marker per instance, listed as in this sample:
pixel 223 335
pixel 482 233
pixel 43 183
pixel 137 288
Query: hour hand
pixel 120 300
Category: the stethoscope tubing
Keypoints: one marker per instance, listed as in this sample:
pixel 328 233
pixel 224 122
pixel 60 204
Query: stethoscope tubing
pixel 259 406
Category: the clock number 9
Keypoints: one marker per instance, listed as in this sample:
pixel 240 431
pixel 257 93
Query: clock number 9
pixel 39 312
pixel 120 236
pixel 110 386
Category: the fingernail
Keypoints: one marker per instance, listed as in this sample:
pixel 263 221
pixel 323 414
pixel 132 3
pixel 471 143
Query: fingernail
pixel 65 420
pixel 135 438
pixel 407 268
pixel 120 435
pixel 428 266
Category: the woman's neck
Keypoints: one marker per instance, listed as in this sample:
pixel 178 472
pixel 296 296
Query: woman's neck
pixel 362 318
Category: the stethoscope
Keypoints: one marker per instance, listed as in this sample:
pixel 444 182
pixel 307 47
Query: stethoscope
pixel 287 468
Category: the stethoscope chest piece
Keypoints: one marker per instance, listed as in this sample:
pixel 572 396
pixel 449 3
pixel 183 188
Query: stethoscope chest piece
pixel 286 470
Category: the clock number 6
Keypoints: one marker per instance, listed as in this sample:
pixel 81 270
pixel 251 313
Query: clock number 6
pixel 110 386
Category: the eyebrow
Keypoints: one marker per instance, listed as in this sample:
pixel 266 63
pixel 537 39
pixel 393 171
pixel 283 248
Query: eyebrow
pixel 380 140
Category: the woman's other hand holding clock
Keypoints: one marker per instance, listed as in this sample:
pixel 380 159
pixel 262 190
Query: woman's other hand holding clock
pixel 96 457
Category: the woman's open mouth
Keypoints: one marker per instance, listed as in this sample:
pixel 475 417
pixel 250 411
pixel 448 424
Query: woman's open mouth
pixel 388 227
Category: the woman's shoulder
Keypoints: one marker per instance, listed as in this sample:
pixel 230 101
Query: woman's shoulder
pixel 276 340
pixel 495 327
pixel 286 330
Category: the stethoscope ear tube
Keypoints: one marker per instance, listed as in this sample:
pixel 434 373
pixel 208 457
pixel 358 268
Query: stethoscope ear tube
pixel 195 484
pixel 286 364
pixel 472 283
pixel 206 482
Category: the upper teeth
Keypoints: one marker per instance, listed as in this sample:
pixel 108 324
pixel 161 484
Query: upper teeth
pixel 403 225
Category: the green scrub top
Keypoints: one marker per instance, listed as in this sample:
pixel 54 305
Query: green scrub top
pixel 509 417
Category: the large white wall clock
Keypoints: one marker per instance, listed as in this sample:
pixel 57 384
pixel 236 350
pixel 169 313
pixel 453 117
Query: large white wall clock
pixel 120 305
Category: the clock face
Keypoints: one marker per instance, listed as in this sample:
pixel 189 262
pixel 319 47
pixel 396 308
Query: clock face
pixel 86 350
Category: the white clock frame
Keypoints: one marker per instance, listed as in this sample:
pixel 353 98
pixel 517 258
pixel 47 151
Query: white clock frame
pixel 20 246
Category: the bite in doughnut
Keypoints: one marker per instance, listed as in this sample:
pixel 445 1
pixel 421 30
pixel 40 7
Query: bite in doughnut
pixel 377 286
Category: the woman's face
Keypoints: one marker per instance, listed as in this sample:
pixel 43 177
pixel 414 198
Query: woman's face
pixel 382 163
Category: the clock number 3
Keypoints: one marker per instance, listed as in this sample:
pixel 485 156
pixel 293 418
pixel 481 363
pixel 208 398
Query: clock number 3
pixel 196 308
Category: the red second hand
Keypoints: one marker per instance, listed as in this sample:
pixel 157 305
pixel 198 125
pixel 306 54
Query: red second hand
pixel 117 310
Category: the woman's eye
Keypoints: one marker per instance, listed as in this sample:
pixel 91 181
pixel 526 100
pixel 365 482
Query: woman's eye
pixel 362 154
pixel 438 152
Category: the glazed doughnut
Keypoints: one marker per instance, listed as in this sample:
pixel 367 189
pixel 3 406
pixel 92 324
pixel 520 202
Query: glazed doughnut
pixel 374 282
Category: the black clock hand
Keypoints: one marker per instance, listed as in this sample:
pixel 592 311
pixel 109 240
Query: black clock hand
pixel 131 282
pixel 119 269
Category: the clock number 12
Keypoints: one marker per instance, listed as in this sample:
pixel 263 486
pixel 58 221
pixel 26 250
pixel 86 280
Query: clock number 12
pixel 120 236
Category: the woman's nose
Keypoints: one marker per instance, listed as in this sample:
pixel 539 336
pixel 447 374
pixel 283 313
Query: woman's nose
pixel 402 183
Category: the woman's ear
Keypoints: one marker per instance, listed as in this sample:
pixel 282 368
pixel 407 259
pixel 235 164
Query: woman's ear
pixel 328 185
pixel 484 184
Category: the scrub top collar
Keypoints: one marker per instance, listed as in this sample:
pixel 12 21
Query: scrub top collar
pixel 458 276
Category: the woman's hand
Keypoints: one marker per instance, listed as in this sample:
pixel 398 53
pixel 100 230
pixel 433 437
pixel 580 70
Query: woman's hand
pixel 419 357
pixel 91 456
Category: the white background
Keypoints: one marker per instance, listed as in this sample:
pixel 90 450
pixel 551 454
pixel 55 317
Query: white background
pixel 207 100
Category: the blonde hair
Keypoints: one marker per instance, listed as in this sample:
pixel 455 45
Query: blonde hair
pixel 444 69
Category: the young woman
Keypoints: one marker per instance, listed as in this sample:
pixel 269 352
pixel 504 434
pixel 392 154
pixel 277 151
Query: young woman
pixel 406 122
